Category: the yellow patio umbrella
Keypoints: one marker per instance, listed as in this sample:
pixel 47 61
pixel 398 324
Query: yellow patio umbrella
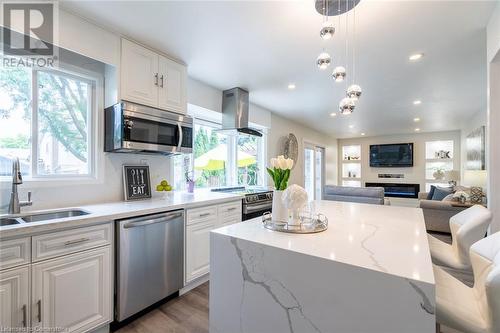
pixel 215 159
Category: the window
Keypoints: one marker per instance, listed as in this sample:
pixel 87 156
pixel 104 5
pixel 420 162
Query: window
pixel 314 170
pixel 45 121
pixel 220 159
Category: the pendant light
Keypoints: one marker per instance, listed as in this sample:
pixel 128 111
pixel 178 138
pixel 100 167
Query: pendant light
pixel 324 60
pixel 327 31
pixel 354 90
pixel 339 72
pixel 346 106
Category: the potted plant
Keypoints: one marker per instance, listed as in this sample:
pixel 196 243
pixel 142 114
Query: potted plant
pixel 189 182
pixel 279 171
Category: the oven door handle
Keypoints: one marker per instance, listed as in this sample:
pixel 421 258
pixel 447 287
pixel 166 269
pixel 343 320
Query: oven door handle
pixel 180 137
pixel 255 208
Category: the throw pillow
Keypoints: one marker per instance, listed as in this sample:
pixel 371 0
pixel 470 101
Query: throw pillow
pixel 431 192
pixel 449 197
pixel 441 192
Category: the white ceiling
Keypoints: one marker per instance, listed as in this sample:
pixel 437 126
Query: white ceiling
pixel 264 45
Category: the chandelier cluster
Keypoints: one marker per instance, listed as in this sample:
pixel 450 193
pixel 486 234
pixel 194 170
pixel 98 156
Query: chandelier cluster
pixel 327 8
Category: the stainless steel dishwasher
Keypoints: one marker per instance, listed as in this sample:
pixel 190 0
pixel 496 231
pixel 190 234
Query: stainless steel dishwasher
pixel 150 257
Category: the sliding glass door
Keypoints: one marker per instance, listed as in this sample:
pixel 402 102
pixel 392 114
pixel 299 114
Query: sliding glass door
pixel 314 170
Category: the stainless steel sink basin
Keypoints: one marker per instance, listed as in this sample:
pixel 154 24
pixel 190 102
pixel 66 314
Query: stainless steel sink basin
pixel 8 221
pixel 53 215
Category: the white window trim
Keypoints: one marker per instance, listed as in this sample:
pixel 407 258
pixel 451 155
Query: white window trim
pixel 96 160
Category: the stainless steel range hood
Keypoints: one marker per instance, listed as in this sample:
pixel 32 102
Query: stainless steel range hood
pixel 235 112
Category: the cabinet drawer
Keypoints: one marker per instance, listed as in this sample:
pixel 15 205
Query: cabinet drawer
pixel 15 252
pixel 70 241
pixel 201 214
pixel 229 209
pixel 228 220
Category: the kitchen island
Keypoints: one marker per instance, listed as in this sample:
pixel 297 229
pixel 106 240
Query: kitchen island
pixel 371 271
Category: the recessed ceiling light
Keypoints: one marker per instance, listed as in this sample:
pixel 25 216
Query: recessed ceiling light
pixel 416 119
pixel 291 86
pixel 417 102
pixel 417 129
pixel 362 134
pixel 333 114
pixel 351 126
pixel 416 56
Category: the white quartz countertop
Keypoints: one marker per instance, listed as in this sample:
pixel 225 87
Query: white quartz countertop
pixel 388 239
pixel 104 212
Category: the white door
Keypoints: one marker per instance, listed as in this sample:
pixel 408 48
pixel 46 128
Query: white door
pixel 314 171
pixel 14 297
pixel 198 249
pixel 139 74
pixel 172 85
pixel 73 292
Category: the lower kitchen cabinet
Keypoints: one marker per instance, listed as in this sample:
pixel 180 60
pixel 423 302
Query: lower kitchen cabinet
pixel 73 292
pixel 198 255
pixel 14 298
pixel 200 221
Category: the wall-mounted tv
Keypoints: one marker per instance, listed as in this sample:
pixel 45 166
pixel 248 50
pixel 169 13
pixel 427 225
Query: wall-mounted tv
pixel 394 155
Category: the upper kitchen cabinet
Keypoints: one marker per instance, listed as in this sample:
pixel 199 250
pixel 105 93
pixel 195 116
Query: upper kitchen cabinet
pixel 151 79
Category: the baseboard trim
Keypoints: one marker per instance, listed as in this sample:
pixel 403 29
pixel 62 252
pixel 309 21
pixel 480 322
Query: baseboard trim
pixel 193 284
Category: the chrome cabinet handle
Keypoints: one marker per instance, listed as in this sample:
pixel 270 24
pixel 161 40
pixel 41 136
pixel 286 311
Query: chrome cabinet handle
pixel 25 321
pixel 156 79
pixel 76 241
pixel 231 209
pixel 180 137
pixel 204 214
pixel 161 81
pixel 39 314
pixel 164 218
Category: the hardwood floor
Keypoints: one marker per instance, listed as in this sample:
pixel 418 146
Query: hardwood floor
pixel 185 314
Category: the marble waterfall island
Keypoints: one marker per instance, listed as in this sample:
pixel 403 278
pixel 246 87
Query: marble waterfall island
pixel 371 271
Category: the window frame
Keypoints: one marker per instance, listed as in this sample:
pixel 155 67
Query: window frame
pixel 232 169
pixel 95 84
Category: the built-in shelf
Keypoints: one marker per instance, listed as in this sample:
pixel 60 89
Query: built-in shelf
pixel 351 161
pixel 351 165
pixel 433 149
pixel 351 178
pixel 439 160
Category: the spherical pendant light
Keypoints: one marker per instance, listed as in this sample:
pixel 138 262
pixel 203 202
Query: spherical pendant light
pixel 339 74
pixel 354 92
pixel 346 105
pixel 327 31
pixel 323 60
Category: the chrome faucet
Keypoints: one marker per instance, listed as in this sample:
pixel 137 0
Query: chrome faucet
pixel 14 204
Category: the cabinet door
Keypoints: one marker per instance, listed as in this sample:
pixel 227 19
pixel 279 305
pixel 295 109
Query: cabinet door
pixel 198 249
pixel 172 91
pixel 74 291
pixel 14 297
pixel 139 74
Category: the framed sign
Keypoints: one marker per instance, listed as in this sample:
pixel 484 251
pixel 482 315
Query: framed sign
pixel 136 182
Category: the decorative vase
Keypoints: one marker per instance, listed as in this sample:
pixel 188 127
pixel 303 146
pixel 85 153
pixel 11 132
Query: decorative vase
pixel 280 212
pixel 190 186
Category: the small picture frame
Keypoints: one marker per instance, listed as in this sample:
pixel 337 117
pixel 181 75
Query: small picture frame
pixel 136 182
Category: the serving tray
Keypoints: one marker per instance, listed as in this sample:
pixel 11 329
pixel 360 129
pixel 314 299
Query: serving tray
pixel 313 225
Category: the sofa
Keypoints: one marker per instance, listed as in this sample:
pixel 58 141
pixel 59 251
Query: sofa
pixel 369 195
pixel 437 214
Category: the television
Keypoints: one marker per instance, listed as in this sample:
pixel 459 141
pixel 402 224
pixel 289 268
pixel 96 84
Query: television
pixel 392 155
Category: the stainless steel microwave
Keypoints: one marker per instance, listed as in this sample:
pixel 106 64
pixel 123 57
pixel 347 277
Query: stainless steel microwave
pixel 135 128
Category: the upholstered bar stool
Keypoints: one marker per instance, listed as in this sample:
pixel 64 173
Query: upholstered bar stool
pixel 467 227
pixel 476 309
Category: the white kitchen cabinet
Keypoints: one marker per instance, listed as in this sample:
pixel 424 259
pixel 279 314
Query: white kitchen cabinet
pixel 139 74
pixel 172 91
pixel 74 291
pixel 199 223
pixel 152 79
pixel 198 250
pixel 14 297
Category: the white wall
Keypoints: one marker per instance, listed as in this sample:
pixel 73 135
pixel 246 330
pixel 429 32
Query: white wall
pixel 412 175
pixel 477 120
pixel 493 156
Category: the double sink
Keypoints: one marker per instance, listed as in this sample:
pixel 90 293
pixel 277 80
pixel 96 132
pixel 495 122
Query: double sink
pixel 42 216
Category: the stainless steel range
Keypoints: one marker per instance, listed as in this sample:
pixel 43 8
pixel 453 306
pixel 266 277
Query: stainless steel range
pixel 256 200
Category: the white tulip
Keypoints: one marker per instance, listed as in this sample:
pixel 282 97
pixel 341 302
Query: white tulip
pixel 289 163
pixel 281 157
pixel 282 164
pixel 274 163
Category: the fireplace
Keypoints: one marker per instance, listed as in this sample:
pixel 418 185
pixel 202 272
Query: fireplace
pixel 397 190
